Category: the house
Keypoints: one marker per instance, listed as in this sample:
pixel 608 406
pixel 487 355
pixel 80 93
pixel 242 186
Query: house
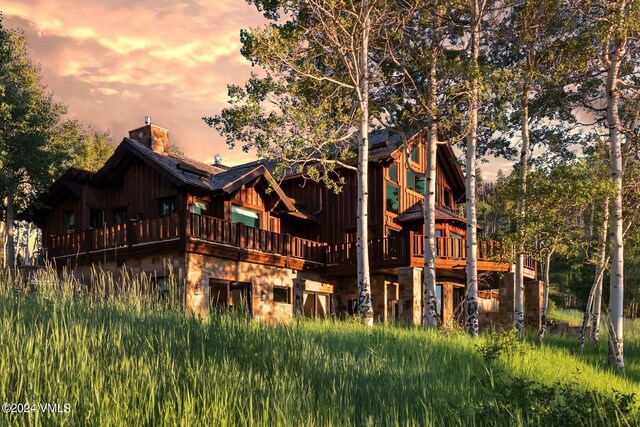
pixel 233 237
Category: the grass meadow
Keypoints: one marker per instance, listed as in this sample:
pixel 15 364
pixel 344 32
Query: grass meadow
pixel 117 357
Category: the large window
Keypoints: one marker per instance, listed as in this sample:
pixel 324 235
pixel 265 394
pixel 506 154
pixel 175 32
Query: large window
pixel 248 217
pixel 393 172
pixel 167 205
pixel 415 181
pixel 393 200
pixel 414 155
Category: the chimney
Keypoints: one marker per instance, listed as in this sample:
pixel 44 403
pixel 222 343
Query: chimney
pixel 217 160
pixel 154 137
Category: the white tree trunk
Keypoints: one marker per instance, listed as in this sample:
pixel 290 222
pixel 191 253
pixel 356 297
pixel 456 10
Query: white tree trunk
pixel 11 249
pixel 430 304
pixel 471 324
pixel 524 163
pixel 27 249
pixel 597 310
pixel 545 297
pixel 364 281
pixel 616 352
pixel 594 302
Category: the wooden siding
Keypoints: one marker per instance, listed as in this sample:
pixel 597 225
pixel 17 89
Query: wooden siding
pixel 139 193
pixel 338 212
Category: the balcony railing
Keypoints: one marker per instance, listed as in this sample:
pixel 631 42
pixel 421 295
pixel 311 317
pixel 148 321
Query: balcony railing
pixel 136 233
pixel 239 235
pixel 407 247
pixel 404 249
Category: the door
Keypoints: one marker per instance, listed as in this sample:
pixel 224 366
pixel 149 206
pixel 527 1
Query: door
pixel 316 304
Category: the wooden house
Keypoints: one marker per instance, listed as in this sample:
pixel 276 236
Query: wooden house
pixel 234 238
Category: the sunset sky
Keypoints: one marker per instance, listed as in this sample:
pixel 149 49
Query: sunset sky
pixel 115 61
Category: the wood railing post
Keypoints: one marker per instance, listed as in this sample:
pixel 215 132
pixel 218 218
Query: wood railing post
pixel 184 222
pixel 241 235
pixel 88 237
pixel 131 236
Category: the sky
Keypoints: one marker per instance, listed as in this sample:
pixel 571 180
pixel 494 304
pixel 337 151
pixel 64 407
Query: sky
pixel 113 62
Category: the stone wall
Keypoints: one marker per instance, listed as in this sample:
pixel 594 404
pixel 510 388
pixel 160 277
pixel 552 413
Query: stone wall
pixel 260 278
pixel 410 293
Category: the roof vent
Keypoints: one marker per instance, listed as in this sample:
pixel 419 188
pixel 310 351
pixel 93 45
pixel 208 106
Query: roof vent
pixel 147 120
pixel 217 160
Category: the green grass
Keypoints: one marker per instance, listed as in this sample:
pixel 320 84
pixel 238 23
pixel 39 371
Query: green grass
pixel 570 316
pixel 122 359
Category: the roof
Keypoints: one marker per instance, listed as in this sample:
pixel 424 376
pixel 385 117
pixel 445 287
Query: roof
pixel 414 213
pixel 181 171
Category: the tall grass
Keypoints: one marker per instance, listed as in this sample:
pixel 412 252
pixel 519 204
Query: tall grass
pixel 119 356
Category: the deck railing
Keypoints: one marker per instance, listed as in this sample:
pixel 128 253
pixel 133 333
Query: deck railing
pixel 239 235
pixel 164 228
pixel 117 236
pixel 399 249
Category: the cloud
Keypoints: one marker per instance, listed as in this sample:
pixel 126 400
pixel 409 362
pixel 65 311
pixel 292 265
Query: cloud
pixel 115 61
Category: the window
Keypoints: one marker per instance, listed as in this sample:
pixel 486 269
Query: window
pixel 393 201
pixel 415 181
pixel 439 300
pixel 316 304
pixel 199 207
pixel 119 216
pixel 448 200
pixel 393 172
pixel 71 222
pixel 248 217
pixel 414 155
pixel 96 218
pixel 167 205
pixel 161 285
pixel 281 294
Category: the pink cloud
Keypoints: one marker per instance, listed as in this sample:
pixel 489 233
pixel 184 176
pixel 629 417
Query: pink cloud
pixel 115 61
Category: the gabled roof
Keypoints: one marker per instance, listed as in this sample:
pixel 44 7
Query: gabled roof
pixel 181 171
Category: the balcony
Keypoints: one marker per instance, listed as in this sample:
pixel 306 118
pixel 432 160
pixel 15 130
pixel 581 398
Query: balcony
pixel 217 237
pixel 408 249
pixel 162 234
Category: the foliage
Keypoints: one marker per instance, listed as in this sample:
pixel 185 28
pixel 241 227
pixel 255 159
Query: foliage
pixel 92 150
pixel 121 357
pixel 33 134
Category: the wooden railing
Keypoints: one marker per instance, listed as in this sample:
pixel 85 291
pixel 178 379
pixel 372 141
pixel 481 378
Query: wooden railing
pixel 398 250
pixel 239 235
pixel 117 236
pixel 156 229
pixel 381 250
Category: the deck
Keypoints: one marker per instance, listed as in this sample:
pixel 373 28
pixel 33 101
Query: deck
pixel 388 253
pixel 216 237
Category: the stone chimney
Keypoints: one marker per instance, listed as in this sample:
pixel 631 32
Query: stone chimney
pixel 152 136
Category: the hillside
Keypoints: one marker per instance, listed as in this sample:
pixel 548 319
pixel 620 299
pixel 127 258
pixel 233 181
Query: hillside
pixel 127 360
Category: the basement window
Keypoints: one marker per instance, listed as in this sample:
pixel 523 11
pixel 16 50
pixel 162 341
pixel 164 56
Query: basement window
pixel 281 294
